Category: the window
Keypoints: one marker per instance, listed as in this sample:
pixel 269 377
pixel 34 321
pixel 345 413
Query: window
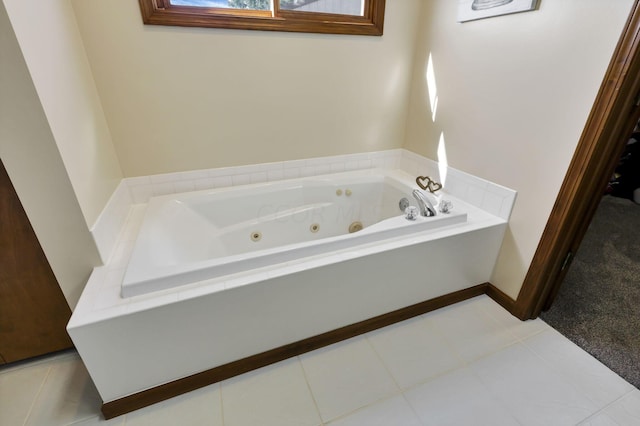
pixel 359 17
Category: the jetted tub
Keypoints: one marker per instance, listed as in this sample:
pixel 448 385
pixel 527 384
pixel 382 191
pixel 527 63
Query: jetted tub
pixel 207 234
pixel 220 318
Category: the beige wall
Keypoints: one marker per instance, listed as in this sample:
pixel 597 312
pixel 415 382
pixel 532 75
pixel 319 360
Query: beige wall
pixel 50 43
pixel 183 98
pixel 513 95
pixel 29 152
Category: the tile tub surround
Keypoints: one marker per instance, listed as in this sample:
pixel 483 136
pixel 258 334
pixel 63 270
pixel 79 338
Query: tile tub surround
pixel 176 328
pixel 486 195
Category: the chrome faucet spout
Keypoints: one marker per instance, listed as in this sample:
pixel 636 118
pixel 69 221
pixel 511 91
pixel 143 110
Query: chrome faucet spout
pixel 426 207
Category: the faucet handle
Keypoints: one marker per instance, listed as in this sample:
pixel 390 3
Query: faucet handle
pixel 445 206
pixel 411 213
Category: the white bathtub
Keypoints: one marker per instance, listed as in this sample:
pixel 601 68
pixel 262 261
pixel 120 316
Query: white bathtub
pixel 201 235
pixel 218 313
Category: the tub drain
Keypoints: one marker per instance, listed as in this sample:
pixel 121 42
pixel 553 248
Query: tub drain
pixel 314 228
pixel 256 236
pixel 355 227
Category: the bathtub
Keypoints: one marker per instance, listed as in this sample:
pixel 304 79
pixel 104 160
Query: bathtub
pixel 224 281
pixel 201 235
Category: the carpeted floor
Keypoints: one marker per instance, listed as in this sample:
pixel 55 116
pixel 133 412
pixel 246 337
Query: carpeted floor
pixel 598 306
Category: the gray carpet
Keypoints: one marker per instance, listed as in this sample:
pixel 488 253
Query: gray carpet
pixel 598 306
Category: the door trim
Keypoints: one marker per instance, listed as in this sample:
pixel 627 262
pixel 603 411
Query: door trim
pixel 602 141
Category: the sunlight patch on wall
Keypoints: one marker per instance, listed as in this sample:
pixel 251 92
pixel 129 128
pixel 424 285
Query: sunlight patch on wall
pixel 443 164
pixel 432 88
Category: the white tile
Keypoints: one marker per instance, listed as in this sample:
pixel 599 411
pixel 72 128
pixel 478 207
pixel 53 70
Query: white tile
pixel 475 195
pixel 258 177
pixel 168 177
pixel 413 352
pixel 184 186
pixel 18 390
pixel 100 421
pixel 507 207
pixel 322 169
pixel 593 379
pixel 626 411
pixel 204 183
pixel 294 164
pixel 365 164
pixel 277 395
pixel 391 163
pixel 241 179
pixel 307 171
pixel 457 398
pixel 600 419
pixel 199 407
pixel 520 329
pixel 195 174
pixel 221 171
pixel 351 165
pixel 533 392
pixel 275 175
pixel 416 169
pixel 337 167
pixel 141 193
pixel 164 188
pixel 68 395
pixel 291 173
pixel 319 161
pixel 137 180
pixel 253 168
pixel 346 376
pixel 391 412
pixel 222 181
pixel 492 203
pixel 470 331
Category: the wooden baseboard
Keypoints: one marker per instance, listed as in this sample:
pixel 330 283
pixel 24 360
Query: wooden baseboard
pixel 178 387
pixel 503 300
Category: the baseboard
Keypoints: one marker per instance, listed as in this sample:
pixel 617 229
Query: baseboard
pixel 178 387
pixel 503 300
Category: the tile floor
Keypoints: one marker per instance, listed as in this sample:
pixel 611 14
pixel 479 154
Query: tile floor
pixel 467 364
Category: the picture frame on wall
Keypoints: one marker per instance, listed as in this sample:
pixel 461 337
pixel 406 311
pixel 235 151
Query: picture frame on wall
pixel 470 10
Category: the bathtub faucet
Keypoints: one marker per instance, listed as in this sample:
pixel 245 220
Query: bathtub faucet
pixel 426 208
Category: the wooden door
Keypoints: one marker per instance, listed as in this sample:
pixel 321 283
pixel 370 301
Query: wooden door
pixel 33 310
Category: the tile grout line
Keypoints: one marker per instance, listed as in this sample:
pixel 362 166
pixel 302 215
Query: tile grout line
pixel 592 415
pixel 551 365
pixel 413 410
pixel 35 398
pixel 220 402
pixel 386 368
pixel 467 364
pixel 313 397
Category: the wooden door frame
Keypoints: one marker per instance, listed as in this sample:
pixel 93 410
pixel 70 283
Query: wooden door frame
pixel 603 139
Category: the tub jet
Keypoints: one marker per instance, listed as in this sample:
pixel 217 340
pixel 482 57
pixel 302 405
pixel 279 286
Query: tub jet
pixel 355 227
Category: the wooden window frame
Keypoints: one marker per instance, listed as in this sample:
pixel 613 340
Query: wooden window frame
pixel 161 12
